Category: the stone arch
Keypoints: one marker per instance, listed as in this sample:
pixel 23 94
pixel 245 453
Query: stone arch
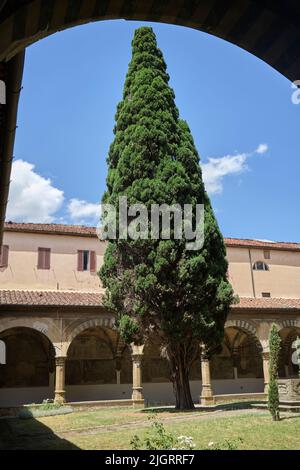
pixel 43 326
pixel 26 22
pixel 29 358
pixel 241 324
pixel 288 323
pixel 104 322
pixel 288 334
pixel 241 354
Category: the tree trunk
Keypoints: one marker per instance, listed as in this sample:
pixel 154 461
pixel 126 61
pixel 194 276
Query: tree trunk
pixel 180 380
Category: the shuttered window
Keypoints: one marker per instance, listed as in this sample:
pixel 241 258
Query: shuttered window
pixel 86 261
pixel 4 249
pixel 93 262
pixel 44 258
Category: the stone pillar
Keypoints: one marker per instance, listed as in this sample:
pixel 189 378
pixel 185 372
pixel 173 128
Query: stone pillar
pixel 235 360
pixel 118 369
pixel 206 397
pixel 266 363
pixel 60 369
pixel 137 388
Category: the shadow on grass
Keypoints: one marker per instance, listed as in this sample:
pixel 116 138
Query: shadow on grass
pixel 30 434
pixel 241 405
pixel 293 415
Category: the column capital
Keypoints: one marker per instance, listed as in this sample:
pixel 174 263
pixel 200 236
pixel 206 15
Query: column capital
pixel 137 349
pixel 60 360
pixel 266 355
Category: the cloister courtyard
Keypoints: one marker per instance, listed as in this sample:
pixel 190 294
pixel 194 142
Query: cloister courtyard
pixel 228 426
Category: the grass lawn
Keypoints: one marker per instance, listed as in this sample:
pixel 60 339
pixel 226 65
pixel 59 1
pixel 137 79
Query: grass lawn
pixel 113 428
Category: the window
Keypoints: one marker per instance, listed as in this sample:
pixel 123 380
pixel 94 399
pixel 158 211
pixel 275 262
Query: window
pixel 260 266
pixel 266 294
pixel 86 261
pixel 267 254
pixel 4 249
pixel 44 258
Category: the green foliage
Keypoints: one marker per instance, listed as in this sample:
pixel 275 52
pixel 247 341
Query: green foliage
pixel 47 408
pixel 157 438
pixel 273 394
pixel 298 353
pixel 228 444
pixel 158 286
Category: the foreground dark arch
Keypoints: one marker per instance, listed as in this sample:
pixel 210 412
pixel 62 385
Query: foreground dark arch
pixel 269 29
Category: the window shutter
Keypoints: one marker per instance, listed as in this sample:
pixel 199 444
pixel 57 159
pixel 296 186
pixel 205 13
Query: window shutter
pixel 80 260
pixel 93 261
pixel 47 258
pixel 43 258
pixel 4 256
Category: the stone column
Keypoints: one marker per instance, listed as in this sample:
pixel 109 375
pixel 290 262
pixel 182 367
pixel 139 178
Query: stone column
pixel 206 397
pixel 266 362
pixel 235 360
pixel 118 369
pixel 60 369
pixel 137 388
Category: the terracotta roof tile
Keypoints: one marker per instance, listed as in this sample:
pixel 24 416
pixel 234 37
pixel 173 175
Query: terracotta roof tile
pixel 58 229
pixel 83 231
pixel 94 299
pixel 51 298
pixel 267 304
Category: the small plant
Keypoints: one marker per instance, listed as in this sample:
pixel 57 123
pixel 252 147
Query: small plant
pixel 228 444
pixel 47 408
pixel 273 393
pixel 50 405
pixel 157 438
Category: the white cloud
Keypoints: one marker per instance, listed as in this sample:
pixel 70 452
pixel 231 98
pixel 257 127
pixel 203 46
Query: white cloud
pixel 217 168
pixel 83 212
pixel 32 198
pixel 262 148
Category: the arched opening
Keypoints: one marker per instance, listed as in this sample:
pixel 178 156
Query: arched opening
pixel 28 373
pixel 156 375
pixel 98 367
pixel 238 368
pixel 288 367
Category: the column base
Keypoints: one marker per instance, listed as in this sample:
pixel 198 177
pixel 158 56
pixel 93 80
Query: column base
pixel 137 394
pixel 138 403
pixel 207 401
pixel 60 396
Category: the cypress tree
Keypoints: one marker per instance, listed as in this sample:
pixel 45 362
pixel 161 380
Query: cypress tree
pixel 273 394
pixel 159 287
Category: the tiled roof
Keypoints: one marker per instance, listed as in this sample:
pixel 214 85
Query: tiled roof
pixel 94 299
pixel 56 229
pixel 248 243
pixel 267 304
pixel 51 298
pixel 83 231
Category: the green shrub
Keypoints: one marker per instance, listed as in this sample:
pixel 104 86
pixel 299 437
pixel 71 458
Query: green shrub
pixel 157 438
pixel 273 394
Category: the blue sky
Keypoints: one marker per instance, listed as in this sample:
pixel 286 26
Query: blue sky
pixel 233 102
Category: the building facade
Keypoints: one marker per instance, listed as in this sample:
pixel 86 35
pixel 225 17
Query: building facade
pixel 57 339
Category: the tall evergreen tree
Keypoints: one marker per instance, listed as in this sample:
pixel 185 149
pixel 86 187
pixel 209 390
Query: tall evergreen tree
pixel 159 287
pixel 273 393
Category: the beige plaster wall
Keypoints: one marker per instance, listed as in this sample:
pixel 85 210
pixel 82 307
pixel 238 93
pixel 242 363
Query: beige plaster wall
pixel 22 272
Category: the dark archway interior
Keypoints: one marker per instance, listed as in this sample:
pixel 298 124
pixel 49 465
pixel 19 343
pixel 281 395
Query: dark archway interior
pixel 241 356
pixel 29 359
